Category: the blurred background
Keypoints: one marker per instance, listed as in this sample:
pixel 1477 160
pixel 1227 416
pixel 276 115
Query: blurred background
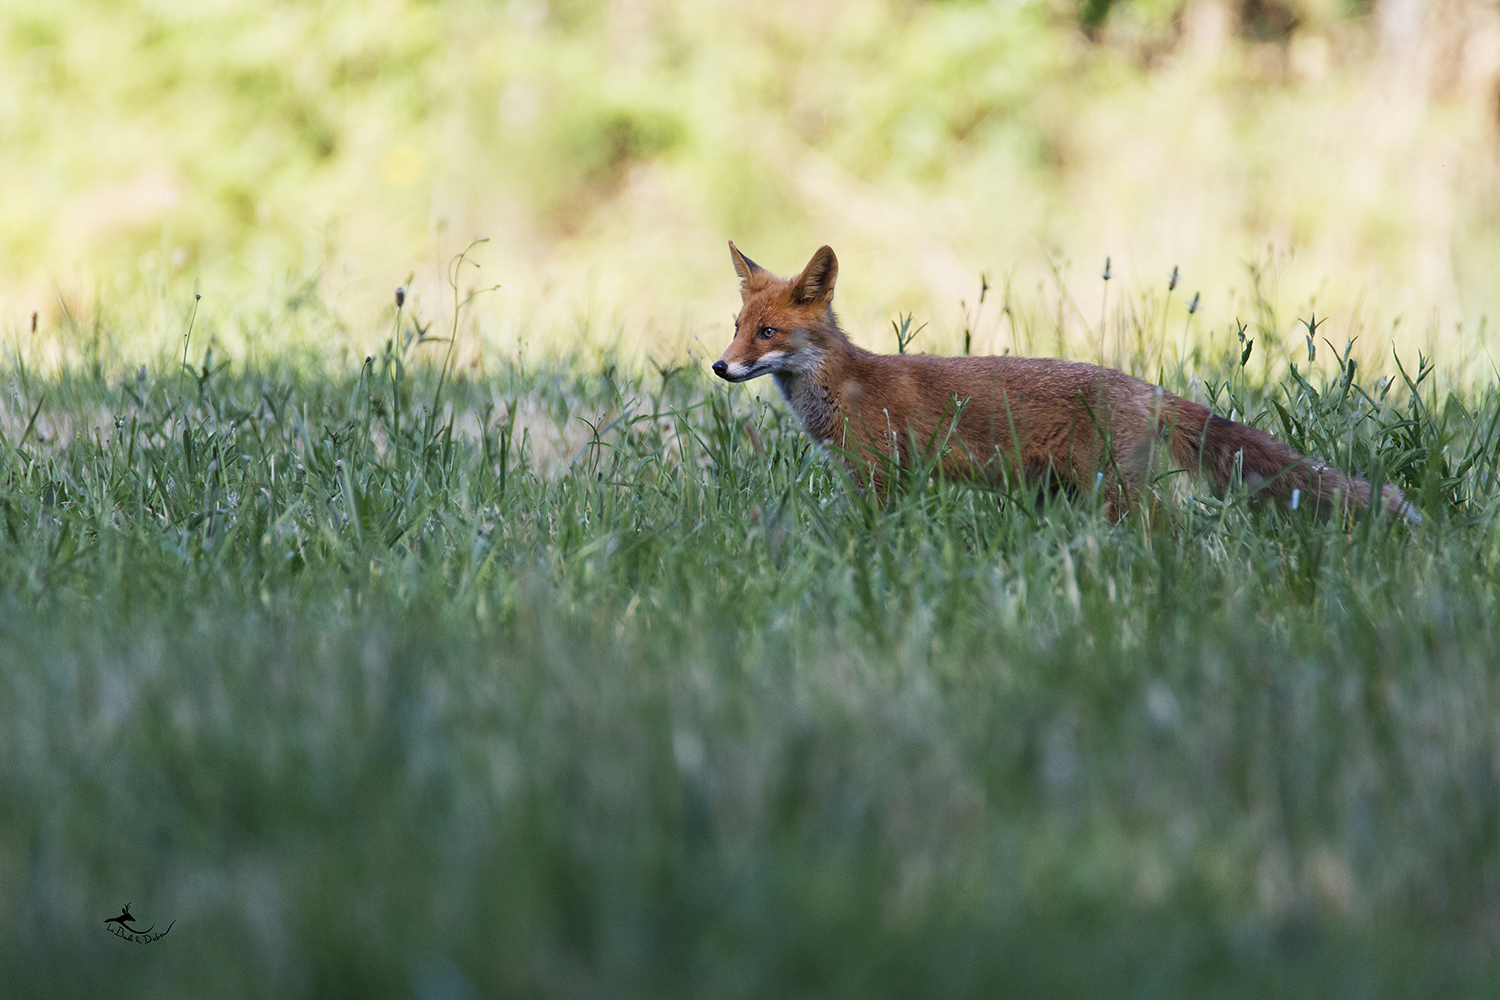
pixel 1328 156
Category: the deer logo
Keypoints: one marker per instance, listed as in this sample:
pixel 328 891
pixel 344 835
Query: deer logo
pixel 124 928
pixel 124 919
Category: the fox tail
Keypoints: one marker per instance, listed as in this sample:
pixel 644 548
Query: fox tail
pixel 1224 450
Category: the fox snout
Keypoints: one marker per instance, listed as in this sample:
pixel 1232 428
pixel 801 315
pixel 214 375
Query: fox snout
pixel 740 371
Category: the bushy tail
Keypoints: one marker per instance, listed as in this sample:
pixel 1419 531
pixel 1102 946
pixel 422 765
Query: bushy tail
pixel 1203 442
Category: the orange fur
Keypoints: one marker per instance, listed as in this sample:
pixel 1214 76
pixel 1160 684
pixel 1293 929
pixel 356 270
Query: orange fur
pixel 1041 420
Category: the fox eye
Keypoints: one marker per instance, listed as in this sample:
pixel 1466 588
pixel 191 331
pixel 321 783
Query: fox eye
pixel 767 332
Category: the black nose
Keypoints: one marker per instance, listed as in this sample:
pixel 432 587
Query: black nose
pixel 721 369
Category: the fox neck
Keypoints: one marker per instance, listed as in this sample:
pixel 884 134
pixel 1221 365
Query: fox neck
pixel 806 393
pixel 809 388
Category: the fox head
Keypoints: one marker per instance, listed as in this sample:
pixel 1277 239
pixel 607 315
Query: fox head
pixel 785 325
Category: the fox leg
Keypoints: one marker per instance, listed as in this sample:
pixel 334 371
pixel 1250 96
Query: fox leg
pixel 1121 495
pixel 1093 472
pixel 1121 465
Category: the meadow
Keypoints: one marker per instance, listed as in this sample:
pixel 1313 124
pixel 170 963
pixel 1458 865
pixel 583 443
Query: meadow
pixel 410 679
pixel 483 645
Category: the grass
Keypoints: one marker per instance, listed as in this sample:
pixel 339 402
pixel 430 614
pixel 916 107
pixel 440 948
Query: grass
pixel 580 681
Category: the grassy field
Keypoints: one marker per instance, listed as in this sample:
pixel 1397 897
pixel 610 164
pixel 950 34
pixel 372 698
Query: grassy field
pixel 582 680
pixel 505 653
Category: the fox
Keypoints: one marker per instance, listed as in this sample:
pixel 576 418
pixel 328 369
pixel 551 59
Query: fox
pixel 1059 426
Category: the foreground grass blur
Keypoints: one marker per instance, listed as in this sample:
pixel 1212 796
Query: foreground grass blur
pixel 582 680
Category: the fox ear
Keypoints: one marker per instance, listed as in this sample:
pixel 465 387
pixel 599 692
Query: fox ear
pixel 752 275
pixel 815 284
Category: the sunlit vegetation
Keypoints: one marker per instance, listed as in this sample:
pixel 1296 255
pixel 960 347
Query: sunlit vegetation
pixel 480 644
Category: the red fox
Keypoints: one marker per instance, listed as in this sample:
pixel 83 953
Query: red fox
pixel 1060 424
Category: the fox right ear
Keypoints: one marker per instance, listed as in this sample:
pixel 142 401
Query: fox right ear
pixel 815 284
pixel 752 275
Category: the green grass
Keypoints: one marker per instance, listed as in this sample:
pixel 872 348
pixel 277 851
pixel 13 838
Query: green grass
pixel 588 682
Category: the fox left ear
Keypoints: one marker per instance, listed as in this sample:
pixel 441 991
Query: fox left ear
pixel 752 275
pixel 815 284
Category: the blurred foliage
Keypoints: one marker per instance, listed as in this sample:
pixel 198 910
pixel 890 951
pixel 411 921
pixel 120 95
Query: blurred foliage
pixel 610 148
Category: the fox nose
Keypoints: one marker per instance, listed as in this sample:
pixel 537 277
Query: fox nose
pixel 721 369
